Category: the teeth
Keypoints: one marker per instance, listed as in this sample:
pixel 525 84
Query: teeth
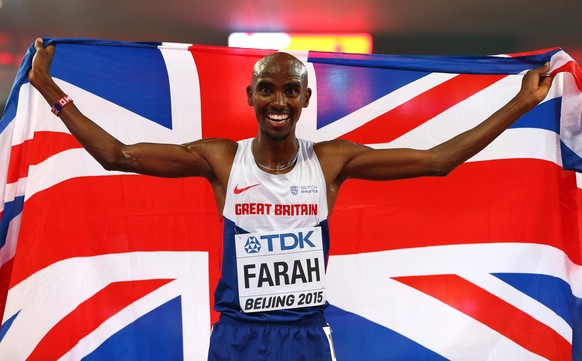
pixel 278 117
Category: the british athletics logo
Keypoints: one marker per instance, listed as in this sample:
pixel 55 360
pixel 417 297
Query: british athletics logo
pixel 481 264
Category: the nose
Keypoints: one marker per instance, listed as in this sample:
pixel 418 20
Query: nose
pixel 279 99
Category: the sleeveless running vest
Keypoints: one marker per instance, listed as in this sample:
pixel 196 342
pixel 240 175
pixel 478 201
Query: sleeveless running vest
pixel 276 240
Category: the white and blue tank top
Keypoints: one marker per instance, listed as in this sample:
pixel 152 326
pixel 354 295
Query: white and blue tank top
pixel 276 240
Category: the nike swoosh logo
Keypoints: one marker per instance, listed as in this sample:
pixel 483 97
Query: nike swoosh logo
pixel 238 190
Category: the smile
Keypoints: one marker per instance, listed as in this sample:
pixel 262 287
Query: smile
pixel 277 119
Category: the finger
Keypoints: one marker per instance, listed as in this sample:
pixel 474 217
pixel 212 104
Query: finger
pixel 50 50
pixel 538 74
pixel 38 44
pixel 546 76
pixel 544 69
pixel 547 80
pixel 540 70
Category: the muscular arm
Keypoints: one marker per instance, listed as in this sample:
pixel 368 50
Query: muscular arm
pixel 358 161
pixel 341 160
pixel 200 158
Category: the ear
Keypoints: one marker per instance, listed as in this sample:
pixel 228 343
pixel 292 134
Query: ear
pixel 307 97
pixel 250 95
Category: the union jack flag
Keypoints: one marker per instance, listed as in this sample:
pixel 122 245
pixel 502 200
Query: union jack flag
pixel 484 264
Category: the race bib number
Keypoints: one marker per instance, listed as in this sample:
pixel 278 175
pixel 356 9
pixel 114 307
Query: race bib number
pixel 280 270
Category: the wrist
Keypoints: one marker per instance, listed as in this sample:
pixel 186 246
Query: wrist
pixel 521 104
pixel 60 104
pixel 39 79
pixel 46 86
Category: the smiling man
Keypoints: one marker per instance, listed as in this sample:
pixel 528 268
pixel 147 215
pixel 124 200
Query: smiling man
pixel 275 193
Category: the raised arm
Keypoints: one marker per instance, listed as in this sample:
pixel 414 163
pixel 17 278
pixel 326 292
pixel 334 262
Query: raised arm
pixel 201 158
pixel 342 160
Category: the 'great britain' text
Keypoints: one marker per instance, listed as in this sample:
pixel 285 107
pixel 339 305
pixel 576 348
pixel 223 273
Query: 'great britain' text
pixel 242 209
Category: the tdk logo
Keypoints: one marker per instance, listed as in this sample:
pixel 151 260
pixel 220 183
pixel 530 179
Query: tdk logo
pixel 288 241
pixel 252 245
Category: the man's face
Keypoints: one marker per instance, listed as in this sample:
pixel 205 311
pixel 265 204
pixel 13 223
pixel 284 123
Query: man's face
pixel 278 94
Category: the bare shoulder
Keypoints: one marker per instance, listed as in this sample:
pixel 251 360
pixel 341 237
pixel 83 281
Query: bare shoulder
pixel 213 147
pixel 334 155
pixel 338 149
pixel 218 153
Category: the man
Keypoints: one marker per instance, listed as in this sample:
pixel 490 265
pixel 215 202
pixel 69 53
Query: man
pixel 275 193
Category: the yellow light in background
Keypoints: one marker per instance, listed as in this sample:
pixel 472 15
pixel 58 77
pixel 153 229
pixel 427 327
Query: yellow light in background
pixel 335 42
pixel 346 43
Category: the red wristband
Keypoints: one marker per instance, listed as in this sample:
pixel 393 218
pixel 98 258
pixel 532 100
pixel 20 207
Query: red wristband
pixel 60 104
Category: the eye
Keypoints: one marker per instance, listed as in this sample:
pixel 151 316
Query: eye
pixel 292 92
pixel 264 90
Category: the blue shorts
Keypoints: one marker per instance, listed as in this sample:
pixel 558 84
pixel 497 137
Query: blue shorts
pixel 233 340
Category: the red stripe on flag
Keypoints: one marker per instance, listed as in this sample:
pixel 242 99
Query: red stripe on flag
pixel 91 216
pixel 224 74
pixel 521 200
pixel 508 320
pixel 37 150
pixel 5 272
pixel 17 166
pixel 573 68
pixel 533 52
pixel 420 109
pixel 514 200
pixel 89 315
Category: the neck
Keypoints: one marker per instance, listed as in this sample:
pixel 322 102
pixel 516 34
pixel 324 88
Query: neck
pixel 275 157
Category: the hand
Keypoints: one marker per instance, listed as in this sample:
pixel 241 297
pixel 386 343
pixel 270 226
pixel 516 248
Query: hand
pixel 535 85
pixel 41 63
